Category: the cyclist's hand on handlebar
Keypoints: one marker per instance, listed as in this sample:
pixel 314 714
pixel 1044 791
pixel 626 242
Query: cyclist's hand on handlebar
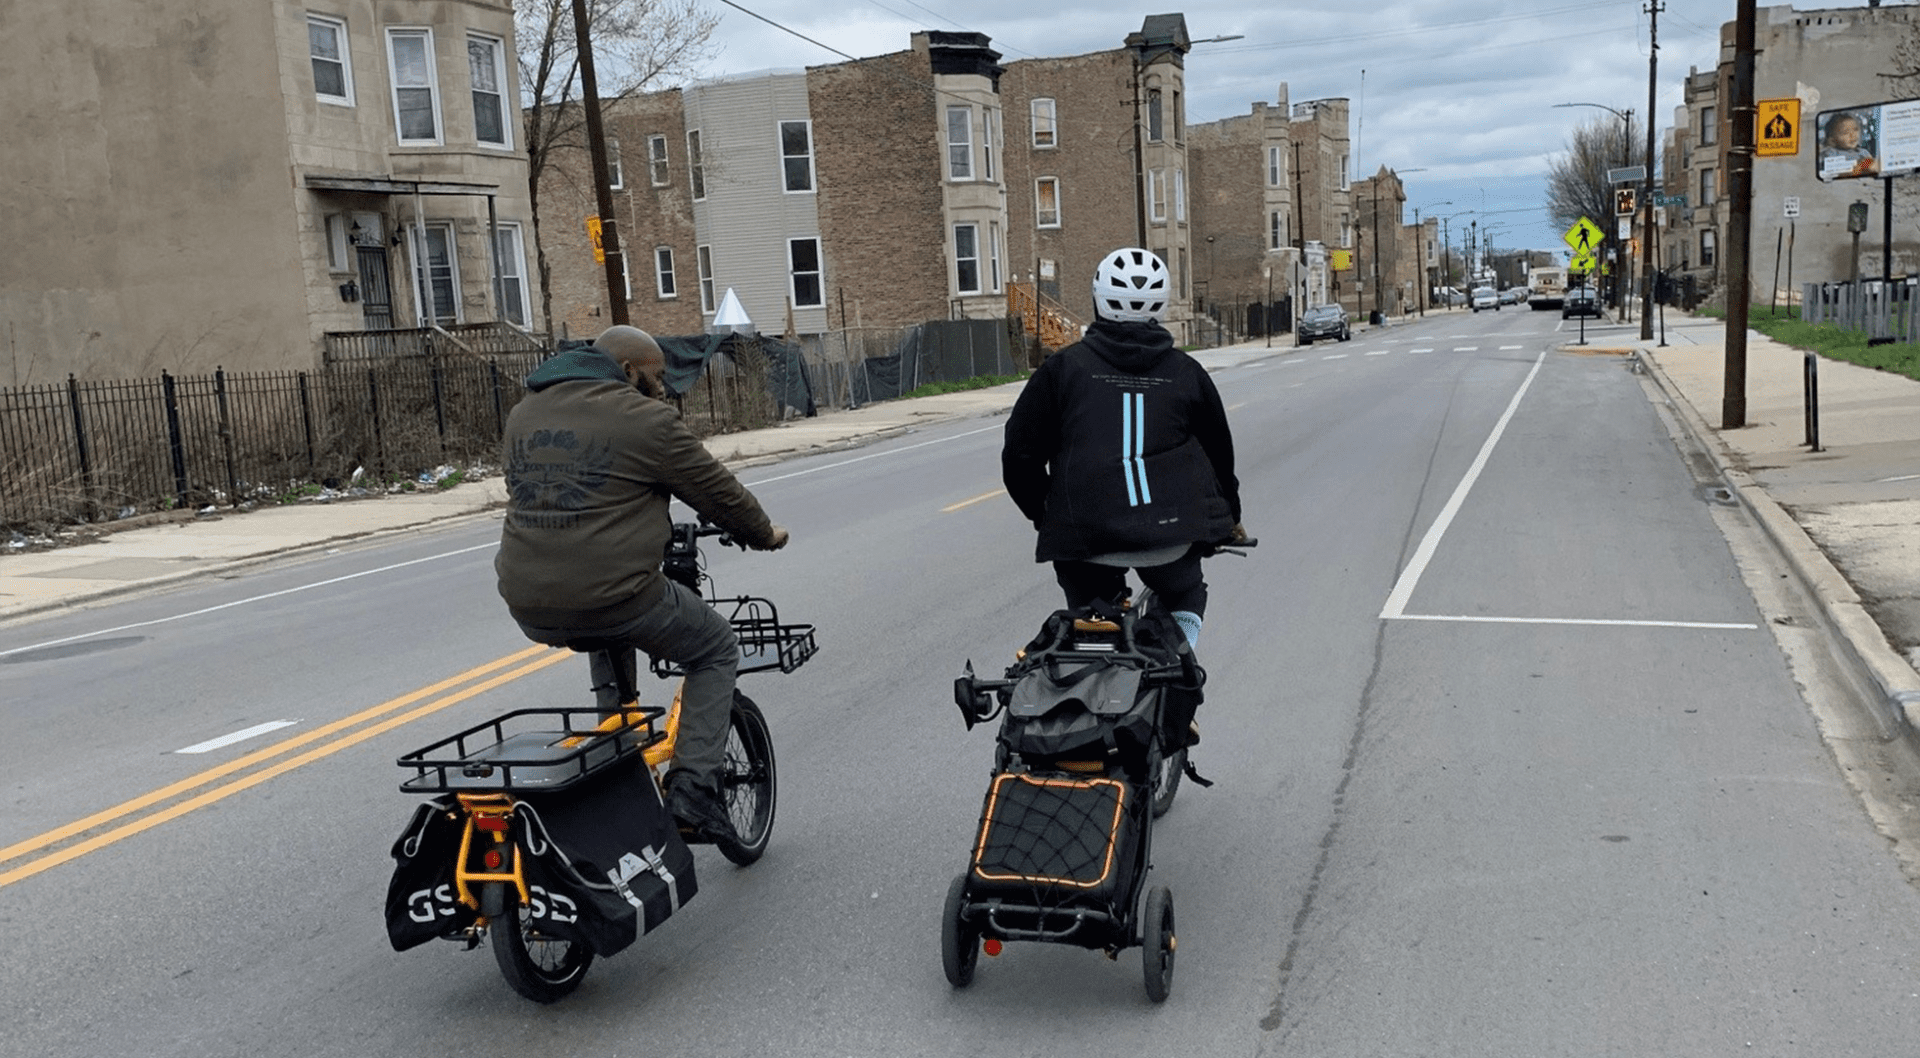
pixel 776 539
pixel 1239 534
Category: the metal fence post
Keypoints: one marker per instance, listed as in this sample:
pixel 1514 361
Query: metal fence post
pixel 176 444
pixel 80 444
pixel 306 422
pixel 226 432
pixel 499 413
pixel 1812 374
pixel 373 406
pixel 439 403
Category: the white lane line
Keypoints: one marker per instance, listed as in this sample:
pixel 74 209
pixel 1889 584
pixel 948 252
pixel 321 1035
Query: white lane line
pixel 257 598
pixel 1291 363
pixel 1466 348
pixel 1426 350
pixel 1587 621
pixel 1335 356
pixel 1403 588
pixel 1903 477
pixel 238 736
pixel 1379 352
pixel 1504 348
pixel 872 455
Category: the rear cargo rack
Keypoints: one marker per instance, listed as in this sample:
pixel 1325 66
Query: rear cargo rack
pixel 529 750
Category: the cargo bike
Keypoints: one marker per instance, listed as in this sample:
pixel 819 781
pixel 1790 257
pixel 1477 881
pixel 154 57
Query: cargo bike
pixel 1094 729
pixel 546 830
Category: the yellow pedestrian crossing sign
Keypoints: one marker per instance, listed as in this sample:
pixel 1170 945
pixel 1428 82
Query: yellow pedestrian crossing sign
pixel 1584 237
pixel 1582 262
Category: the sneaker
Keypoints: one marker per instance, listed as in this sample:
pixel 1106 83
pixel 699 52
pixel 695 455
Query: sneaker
pixel 700 811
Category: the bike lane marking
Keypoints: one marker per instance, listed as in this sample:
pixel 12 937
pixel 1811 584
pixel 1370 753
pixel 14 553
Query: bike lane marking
pixel 211 775
pixel 238 736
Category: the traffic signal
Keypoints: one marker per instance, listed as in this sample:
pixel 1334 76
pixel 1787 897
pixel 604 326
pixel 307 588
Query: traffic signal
pixel 1623 201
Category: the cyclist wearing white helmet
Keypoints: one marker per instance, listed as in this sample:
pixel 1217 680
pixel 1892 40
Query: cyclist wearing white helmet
pixel 1118 451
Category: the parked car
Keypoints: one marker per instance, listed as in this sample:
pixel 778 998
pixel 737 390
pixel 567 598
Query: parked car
pixel 1485 298
pixel 1324 321
pixel 1512 296
pixel 1580 301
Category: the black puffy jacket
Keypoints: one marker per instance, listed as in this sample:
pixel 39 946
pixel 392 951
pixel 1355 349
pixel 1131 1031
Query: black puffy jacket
pixel 1119 442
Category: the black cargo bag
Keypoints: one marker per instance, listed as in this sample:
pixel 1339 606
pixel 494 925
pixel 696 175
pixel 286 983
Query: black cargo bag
pixel 1054 841
pixel 421 903
pixel 604 862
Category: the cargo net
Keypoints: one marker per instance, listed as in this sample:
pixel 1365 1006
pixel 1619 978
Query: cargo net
pixel 1051 834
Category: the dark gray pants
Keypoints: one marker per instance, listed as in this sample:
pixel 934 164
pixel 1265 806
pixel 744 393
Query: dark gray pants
pixel 682 628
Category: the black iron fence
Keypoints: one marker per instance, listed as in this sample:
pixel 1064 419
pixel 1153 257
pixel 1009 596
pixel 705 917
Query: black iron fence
pixel 92 451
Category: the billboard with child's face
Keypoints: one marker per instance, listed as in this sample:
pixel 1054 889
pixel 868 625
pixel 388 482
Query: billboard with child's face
pixel 1876 139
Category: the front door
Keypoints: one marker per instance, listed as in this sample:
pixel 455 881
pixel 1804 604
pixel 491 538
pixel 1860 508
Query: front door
pixel 376 292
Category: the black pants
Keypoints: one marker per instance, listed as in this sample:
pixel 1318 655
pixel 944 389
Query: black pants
pixel 1178 583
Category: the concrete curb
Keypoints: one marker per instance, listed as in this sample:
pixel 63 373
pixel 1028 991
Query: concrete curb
pixel 1876 665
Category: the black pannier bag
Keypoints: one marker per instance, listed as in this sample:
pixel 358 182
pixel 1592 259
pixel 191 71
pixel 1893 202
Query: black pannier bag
pixel 1053 841
pixel 421 902
pixel 1087 708
pixel 604 861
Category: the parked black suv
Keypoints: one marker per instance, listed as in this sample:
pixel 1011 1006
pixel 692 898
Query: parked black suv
pixel 1324 321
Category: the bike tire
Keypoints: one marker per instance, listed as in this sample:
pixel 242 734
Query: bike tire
pixel 543 969
pixel 959 942
pixel 1166 780
pixel 1157 943
pixel 749 782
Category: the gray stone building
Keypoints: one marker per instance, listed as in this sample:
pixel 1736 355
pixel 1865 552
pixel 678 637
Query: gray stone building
pixel 1828 59
pixel 226 184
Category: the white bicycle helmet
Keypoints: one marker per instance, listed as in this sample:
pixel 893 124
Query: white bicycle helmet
pixel 1130 286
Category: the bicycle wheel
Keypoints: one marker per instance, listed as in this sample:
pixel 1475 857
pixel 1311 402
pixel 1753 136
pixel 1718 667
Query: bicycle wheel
pixel 959 942
pixel 539 967
pixel 748 783
pixel 1166 780
pixel 1157 943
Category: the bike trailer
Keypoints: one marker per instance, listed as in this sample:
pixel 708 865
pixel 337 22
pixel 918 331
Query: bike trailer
pixel 1058 858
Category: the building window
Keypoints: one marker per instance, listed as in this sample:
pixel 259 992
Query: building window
pixel 1180 195
pixel 663 272
pixel 993 256
pixel 1344 184
pixel 336 242
pixel 1706 248
pixel 1183 272
pixel 657 160
pixel 1045 133
pixel 486 59
pixel 696 168
pixel 1157 196
pixel 626 275
pixel 508 255
pixel 1346 230
pixel 438 270
pixel 986 143
pixel 1273 166
pixel 332 72
pixel 1179 122
pixel 796 154
pixel 616 173
pixel 1709 127
pixel 959 143
pixel 703 260
pixel 1273 232
pixel 803 266
pixel 1046 202
pixel 1706 187
pixel 966 258
pixel 416 109
pixel 1154 118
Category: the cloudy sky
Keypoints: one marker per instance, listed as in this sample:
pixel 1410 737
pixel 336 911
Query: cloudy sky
pixel 1461 89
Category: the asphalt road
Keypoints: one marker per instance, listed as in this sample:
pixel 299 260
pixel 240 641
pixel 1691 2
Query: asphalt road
pixel 1510 758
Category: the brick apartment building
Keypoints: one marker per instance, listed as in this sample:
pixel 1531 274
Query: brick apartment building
pixel 1379 202
pixel 919 185
pixel 254 177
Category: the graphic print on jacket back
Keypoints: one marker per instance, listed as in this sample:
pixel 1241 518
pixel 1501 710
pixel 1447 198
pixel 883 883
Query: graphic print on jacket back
pixel 551 474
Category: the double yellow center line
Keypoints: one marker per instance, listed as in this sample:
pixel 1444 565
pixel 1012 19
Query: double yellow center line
pixel 57 846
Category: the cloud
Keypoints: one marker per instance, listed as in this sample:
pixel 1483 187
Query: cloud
pixel 1463 91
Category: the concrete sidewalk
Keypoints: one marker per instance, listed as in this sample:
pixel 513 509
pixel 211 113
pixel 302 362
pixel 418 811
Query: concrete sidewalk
pixel 1847 517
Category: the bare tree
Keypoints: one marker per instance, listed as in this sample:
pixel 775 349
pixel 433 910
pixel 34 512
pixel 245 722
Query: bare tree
pixel 1577 180
pixel 638 45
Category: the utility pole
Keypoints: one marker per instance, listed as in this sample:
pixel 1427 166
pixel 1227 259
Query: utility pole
pixel 1733 405
pixel 1654 7
pixel 602 189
